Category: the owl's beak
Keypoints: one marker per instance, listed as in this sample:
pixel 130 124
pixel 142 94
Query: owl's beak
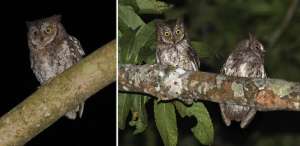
pixel 174 41
pixel 42 39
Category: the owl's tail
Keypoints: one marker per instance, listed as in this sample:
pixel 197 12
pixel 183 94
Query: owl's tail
pixel 78 111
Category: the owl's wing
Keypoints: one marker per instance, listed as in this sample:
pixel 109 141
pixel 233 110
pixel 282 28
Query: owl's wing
pixel 193 56
pixel 158 52
pixel 228 64
pixel 76 45
pixel 244 65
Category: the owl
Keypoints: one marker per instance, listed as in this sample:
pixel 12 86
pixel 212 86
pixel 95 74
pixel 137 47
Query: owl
pixel 247 60
pixel 174 48
pixel 53 50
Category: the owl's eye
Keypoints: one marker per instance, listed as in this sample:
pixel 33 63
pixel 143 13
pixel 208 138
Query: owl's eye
pixel 177 32
pixel 48 29
pixel 167 33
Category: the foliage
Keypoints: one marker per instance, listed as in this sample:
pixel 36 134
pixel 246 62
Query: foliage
pixel 137 46
pixel 214 27
pixel 203 131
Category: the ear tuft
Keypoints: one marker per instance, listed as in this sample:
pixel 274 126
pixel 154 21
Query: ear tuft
pixel 159 23
pixel 179 22
pixel 56 18
pixel 251 37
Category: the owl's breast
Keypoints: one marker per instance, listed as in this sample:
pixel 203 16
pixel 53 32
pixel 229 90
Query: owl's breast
pixel 177 58
pixel 42 68
pixel 245 66
pixel 47 64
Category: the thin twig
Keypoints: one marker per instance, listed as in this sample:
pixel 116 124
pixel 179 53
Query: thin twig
pixel 286 21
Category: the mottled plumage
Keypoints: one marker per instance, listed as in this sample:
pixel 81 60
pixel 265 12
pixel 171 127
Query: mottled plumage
pixel 174 48
pixel 245 61
pixel 52 50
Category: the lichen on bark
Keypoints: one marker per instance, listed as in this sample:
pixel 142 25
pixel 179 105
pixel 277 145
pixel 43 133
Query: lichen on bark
pixel 262 94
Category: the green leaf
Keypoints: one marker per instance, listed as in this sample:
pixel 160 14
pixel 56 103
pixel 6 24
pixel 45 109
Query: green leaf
pixel 124 105
pixel 165 118
pixel 146 39
pixel 139 113
pixel 203 131
pixel 136 47
pixel 152 6
pixel 127 2
pixel 128 18
pixel 144 34
pixel 126 54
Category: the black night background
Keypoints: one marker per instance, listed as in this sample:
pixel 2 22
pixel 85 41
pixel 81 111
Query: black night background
pixel 94 24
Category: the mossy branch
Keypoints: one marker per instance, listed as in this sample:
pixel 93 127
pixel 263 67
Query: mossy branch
pixel 169 83
pixel 63 93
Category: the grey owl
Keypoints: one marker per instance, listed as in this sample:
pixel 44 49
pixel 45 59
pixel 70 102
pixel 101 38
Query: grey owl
pixel 247 60
pixel 174 48
pixel 53 50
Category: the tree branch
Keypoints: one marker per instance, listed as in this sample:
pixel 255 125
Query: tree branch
pixel 169 83
pixel 286 21
pixel 61 94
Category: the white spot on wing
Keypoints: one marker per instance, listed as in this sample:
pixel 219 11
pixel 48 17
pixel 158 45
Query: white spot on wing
pixel 243 70
pixel 263 73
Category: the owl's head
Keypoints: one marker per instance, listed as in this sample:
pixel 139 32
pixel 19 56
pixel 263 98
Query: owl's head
pixel 170 32
pixel 42 32
pixel 251 44
pixel 254 44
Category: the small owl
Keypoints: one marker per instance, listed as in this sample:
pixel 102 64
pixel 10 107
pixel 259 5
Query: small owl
pixel 53 50
pixel 174 48
pixel 247 60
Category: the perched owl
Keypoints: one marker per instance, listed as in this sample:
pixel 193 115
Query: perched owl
pixel 53 50
pixel 247 60
pixel 174 48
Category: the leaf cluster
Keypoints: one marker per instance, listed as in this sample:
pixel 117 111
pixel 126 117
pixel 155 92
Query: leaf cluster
pixel 137 46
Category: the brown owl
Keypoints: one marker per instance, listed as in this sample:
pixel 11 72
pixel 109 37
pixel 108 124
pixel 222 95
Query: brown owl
pixel 174 48
pixel 247 60
pixel 53 50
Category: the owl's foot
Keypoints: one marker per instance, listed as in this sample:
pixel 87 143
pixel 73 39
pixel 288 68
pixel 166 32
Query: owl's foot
pixel 71 115
pixel 187 101
pixel 78 111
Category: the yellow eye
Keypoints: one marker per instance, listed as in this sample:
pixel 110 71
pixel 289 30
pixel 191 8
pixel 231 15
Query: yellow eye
pixel 177 32
pixel 48 29
pixel 167 33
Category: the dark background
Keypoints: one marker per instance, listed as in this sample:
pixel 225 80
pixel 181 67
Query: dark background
pixel 94 25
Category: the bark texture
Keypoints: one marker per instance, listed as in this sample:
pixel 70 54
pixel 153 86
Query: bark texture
pixel 169 83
